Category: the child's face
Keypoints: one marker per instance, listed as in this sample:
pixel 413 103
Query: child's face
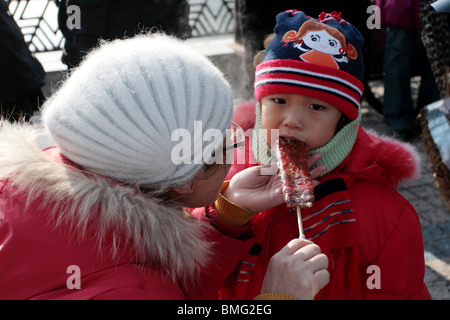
pixel 307 119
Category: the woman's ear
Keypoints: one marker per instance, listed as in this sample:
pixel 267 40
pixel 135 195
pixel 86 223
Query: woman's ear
pixel 186 188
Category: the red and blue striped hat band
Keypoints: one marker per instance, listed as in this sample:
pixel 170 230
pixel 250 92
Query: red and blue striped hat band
pixel 334 86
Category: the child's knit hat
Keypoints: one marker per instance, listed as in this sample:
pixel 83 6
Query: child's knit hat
pixel 319 58
pixel 118 112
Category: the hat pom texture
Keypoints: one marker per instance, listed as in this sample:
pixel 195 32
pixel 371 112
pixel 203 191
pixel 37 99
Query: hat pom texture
pixel 116 113
pixel 319 58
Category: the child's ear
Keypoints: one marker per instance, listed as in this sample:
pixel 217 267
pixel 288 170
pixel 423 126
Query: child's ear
pixel 186 188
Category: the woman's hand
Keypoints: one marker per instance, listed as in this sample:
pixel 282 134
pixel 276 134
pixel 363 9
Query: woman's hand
pixel 254 190
pixel 299 269
pixel 259 188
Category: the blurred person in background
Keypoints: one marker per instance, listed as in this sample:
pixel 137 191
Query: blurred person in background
pixel 108 20
pixel 401 17
pixel 21 74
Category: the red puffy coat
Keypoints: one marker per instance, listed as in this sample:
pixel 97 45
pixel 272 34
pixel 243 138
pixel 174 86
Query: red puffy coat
pixel 370 233
pixel 68 234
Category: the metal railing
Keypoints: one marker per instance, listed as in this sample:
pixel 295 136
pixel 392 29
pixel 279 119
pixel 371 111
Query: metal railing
pixel 211 17
pixel 38 21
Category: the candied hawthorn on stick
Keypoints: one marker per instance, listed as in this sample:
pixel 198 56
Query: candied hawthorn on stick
pixel 297 186
pixel 296 182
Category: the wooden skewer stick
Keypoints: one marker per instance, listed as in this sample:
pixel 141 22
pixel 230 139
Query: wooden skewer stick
pixel 300 225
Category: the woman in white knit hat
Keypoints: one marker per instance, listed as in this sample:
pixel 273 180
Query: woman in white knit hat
pixel 100 215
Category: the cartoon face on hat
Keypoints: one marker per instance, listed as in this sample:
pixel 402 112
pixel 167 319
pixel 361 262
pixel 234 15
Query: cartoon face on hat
pixel 315 57
pixel 320 44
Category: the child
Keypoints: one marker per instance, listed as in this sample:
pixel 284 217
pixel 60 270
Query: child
pixel 99 215
pixel 308 85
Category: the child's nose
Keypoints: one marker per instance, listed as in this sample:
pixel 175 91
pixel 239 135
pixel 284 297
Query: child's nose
pixel 294 118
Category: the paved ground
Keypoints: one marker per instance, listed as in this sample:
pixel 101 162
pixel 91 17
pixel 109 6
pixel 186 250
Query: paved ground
pixel 422 193
pixel 433 213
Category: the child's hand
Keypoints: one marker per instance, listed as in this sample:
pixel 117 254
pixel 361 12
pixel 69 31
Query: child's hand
pixel 299 269
pixel 316 172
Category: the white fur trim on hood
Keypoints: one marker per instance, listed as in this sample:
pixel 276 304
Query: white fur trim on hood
pixel 160 234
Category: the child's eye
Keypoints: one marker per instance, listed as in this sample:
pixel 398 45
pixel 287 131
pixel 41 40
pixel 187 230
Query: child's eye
pixel 316 107
pixel 279 101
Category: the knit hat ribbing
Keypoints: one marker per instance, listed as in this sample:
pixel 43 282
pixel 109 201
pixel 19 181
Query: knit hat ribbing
pixel 319 58
pixel 116 113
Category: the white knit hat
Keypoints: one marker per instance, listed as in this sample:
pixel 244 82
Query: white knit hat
pixel 116 113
